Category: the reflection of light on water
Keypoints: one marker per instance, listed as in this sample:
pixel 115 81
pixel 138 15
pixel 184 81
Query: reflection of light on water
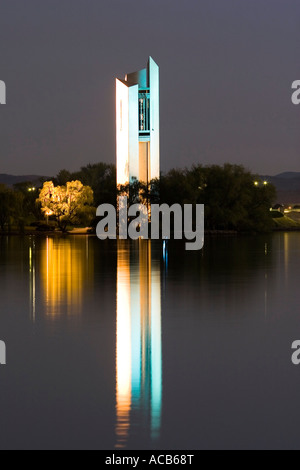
pixel 123 348
pixel 165 253
pixel 286 241
pixel 139 349
pixel 64 271
pixel 156 352
pixel 266 283
pixel 32 281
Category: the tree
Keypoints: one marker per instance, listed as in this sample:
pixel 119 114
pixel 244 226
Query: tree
pixel 175 187
pixel 6 205
pixel 63 177
pixel 68 205
pixel 101 177
pixel 234 198
pixel 27 206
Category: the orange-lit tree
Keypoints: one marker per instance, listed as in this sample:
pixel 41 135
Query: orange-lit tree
pixel 68 205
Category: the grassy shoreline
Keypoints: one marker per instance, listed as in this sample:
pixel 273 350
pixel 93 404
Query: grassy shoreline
pixel 286 224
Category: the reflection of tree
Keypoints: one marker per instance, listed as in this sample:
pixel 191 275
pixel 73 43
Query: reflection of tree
pixel 229 272
pixel 66 268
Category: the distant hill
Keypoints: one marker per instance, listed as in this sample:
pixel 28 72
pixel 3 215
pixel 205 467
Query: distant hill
pixel 10 180
pixel 288 175
pixel 287 185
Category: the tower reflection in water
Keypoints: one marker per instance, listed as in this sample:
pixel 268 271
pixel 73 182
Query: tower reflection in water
pixel 139 345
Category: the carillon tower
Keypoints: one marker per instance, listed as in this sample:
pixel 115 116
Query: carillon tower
pixel 137 125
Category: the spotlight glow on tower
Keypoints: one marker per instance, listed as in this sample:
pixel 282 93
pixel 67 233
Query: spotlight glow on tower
pixel 137 125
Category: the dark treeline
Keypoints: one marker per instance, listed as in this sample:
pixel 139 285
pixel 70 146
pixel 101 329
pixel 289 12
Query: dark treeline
pixel 18 206
pixel 234 198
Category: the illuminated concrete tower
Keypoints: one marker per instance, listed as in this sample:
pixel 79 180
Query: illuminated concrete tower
pixel 137 125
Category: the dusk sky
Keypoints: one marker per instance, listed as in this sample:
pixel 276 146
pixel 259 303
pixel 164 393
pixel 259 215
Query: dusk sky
pixel 226 72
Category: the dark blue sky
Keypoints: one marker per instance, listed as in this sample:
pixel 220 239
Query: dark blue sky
pixel 226 72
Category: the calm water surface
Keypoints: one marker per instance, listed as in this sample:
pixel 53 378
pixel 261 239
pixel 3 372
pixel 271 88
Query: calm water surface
pixel 115 345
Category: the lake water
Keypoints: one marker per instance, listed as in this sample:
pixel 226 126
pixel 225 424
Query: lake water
pixel 115 345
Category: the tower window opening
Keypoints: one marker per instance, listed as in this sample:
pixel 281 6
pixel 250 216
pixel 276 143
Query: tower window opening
pixel 144 112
